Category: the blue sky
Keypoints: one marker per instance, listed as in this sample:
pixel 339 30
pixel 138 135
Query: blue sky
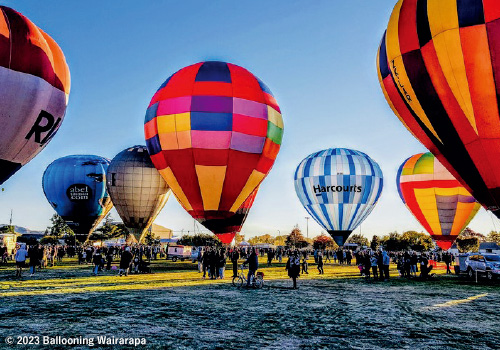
pixel 318 58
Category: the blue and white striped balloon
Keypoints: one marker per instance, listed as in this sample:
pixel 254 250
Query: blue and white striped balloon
pixel 339 188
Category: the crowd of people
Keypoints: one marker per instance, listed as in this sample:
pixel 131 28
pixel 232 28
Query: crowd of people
pixel 136 258
pixel 212 261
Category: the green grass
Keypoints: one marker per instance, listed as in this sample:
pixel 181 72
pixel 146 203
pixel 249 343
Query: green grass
pixel 174 308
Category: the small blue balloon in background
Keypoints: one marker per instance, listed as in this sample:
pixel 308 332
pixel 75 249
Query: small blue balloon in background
pixel 75 186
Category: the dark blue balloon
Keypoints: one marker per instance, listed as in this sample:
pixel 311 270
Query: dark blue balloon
pixel 75 186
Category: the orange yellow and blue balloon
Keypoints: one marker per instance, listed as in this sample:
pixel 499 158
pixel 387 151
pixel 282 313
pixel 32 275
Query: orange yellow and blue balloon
pixel 436 198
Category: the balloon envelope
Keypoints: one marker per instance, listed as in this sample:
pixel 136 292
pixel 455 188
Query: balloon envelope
pixel 439 68
pixel 34 90
pixel 136 188
pixel 75 186
pixel 228 228
pixel 339 188
pixel 213 131
pixel 436 199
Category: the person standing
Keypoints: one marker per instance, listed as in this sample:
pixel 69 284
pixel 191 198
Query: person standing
pixel 33 255
pixel 386 261
pixel 221 263
pixel 109 259
pixel 97 261
pixel 234 260
pixel 293 267
pixel 447 261
pixel 320 263
pixel 304 265
pixel 205 262
pixel 199 259
pixel 20 257
pixel 125 261
pixel 253 266
pixel 374 264
pixel 380 264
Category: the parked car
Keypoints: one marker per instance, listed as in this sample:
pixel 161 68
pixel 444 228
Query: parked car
pixel 483 264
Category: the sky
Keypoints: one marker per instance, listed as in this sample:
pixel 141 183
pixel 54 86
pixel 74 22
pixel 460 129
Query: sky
pixel 317 57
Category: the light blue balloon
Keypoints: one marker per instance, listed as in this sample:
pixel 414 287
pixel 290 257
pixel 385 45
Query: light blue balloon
pixel 75 186
pixel 339 188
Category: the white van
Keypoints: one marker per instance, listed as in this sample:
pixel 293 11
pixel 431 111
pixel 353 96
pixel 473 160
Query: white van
pixel 176 252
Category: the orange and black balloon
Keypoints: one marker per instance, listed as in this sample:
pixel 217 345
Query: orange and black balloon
pixel 439 69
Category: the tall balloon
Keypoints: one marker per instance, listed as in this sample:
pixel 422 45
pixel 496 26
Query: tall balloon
pixel 339 188
pixel 75 186
pixel 439 68
pixel 436 199
pixel 136 188
pixel 34 90
pixel 213 131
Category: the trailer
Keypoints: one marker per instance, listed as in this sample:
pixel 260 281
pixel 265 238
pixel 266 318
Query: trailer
pixel 460 267
pixel 178 252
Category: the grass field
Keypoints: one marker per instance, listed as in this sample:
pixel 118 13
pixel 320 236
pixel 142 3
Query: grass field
pixel 174 308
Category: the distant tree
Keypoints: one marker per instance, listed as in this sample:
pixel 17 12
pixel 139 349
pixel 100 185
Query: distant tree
pixel 238 238
pixel 467 244
pixel 49 240
pixel 493 236
pixel 392 242
pixel 28 240
pixel 375 243
pixel 59 228
pixel 7 229
pixel 261 239
pixel 296 239
pixel 109 230
pixel 150 238
pixel 468 233
pixel 200 240
pixel 121 230
pixel 324 242
pixel 417 241
pixel 359 240
pixel 280 241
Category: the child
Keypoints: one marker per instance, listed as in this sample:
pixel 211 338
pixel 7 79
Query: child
pixel 304 265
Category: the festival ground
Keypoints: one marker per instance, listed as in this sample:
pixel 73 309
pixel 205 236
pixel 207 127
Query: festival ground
pixel 174 308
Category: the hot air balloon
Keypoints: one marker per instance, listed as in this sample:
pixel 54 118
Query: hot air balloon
pixel 439 68
pixel 339 188
pixel 229 227
pixel 436 199
pixel 75 186
pixel 213 131
pixel 34 90
pixel 136 188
